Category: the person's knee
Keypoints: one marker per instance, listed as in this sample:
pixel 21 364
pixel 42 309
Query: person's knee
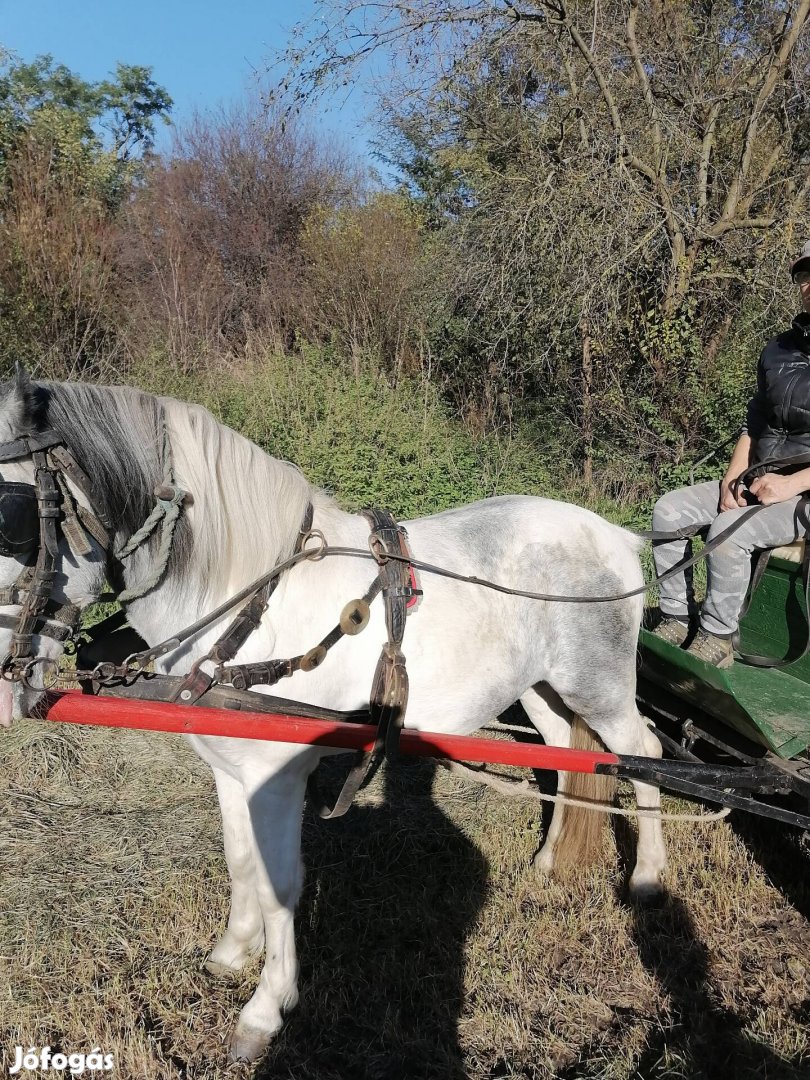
pixel 739 544
pixel 669 509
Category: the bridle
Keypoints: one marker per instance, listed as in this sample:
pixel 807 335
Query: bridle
pixel 31 517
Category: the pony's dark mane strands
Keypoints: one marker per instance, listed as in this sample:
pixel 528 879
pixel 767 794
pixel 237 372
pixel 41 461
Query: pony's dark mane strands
pixel 116 434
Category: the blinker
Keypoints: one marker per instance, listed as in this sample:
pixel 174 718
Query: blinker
pixel 19 519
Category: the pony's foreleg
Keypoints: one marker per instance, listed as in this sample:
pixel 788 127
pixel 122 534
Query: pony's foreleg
pixel 245 934
pixel 552 719
pixel 276 806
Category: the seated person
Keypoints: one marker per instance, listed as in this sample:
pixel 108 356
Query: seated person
pixel 778 427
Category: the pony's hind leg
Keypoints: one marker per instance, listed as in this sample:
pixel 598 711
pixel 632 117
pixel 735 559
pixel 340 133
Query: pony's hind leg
pixel 244 937
pixel 552 719
pixel 635 737
pixel 595 675
pixel 574 836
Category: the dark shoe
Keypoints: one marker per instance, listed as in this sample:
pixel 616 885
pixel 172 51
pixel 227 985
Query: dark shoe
pixel 671 630
pixel 711 649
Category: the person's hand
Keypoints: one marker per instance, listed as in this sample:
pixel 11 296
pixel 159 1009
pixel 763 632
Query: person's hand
pixel 773 488
pixel 727 498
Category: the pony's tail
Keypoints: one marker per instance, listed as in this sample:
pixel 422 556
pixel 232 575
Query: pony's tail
pixel 579 843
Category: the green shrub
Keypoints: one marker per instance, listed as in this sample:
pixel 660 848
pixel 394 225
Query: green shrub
pixel 362 438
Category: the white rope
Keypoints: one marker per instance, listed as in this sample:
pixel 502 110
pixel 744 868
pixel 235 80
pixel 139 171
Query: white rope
pixel 524 789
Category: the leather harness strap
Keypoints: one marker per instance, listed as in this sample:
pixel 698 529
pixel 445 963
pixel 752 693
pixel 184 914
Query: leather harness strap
pixel 389 689
pixel 228 644
pixel 28 445
pixel 353 619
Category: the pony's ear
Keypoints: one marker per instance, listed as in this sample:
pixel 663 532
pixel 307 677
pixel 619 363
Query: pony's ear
pixel 17 405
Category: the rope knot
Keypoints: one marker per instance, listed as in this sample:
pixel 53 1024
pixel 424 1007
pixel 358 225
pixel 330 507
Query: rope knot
pixel 169 495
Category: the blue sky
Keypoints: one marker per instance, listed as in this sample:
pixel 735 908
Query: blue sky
pixel 204 52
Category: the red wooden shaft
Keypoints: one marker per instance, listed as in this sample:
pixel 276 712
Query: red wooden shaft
pixel 73 707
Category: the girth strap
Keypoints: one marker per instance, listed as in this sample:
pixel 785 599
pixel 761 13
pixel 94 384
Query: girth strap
pixel 389 689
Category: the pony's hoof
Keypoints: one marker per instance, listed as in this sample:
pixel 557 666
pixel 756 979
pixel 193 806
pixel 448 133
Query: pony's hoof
pixel 248 1044
pixel 647 892
pixel 543 864
pixel 220 971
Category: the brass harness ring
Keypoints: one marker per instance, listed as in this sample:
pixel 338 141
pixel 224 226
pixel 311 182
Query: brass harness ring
pixel 317 553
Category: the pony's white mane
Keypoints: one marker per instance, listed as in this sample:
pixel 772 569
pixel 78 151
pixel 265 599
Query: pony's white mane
pixel 248 507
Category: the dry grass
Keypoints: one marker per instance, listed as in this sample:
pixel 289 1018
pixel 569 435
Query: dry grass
pixel 427 947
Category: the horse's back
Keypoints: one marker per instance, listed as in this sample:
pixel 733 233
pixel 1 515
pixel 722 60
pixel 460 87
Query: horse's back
pixel 495 531
pixel 471 643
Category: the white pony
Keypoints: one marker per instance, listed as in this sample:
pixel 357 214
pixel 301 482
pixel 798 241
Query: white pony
pixel 470 652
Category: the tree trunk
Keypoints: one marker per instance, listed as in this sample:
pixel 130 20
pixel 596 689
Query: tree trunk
pixel 587 405
pixel 718 337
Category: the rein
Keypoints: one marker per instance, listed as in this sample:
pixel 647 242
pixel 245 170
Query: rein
pixel 138 662
pixel 54 465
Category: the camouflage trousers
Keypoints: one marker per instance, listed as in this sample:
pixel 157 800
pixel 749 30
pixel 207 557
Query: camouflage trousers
pixel 729 565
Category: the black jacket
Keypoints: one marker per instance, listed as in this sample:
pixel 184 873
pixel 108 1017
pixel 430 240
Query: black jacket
pixel 779 412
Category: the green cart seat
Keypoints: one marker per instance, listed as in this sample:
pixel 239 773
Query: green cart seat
pixel 769 706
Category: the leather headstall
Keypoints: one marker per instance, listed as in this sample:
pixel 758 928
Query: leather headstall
pixel 55 506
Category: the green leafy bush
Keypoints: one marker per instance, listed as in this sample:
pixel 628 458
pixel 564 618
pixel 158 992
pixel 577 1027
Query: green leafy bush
pixel 364 439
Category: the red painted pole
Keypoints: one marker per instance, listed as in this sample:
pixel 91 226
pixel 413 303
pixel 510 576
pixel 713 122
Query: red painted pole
pixel 73 707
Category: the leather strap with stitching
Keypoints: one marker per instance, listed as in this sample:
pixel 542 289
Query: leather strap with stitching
pixel 389 689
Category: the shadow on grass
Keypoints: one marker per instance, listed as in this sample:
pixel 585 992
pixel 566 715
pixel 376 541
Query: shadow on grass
pixel 391 894
pixel 702 1040
pixel 777 849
